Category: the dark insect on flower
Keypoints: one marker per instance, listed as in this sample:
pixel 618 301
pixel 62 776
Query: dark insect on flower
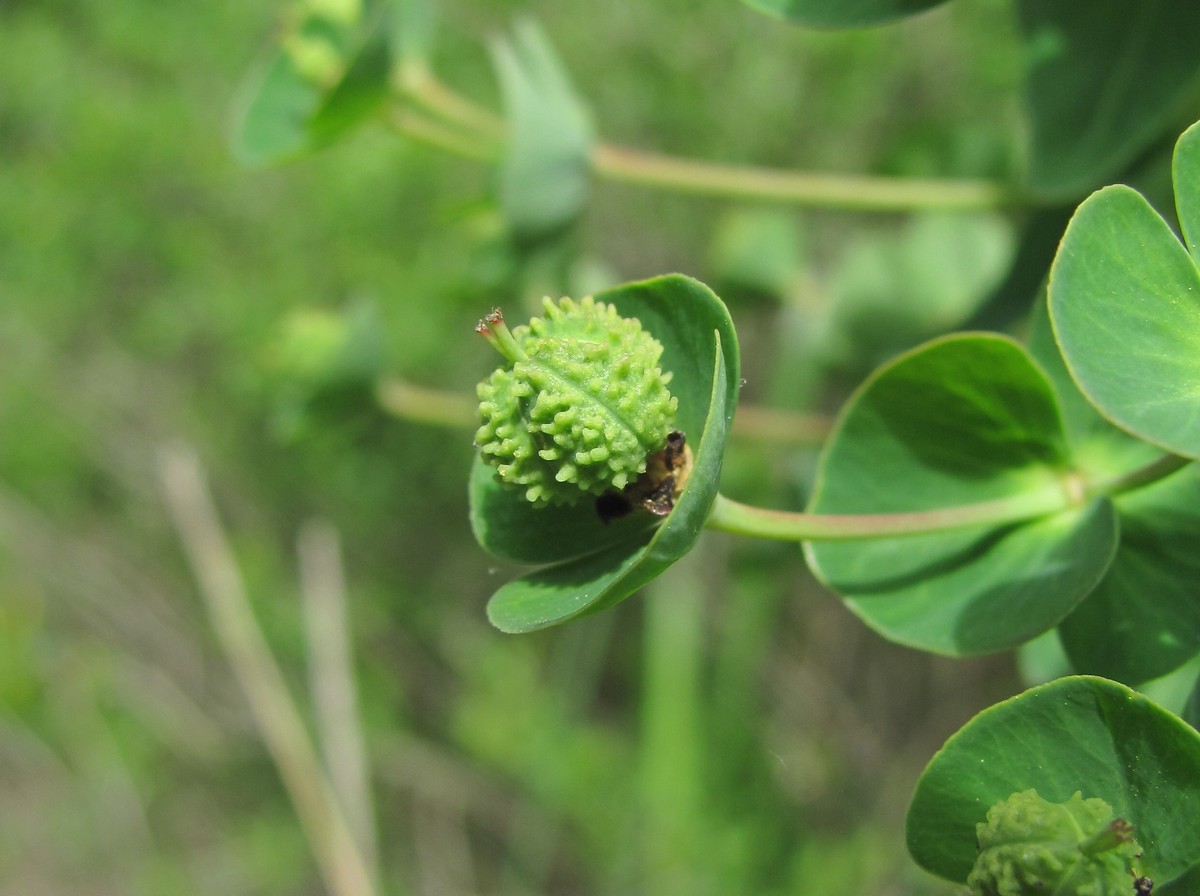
pixel 655 490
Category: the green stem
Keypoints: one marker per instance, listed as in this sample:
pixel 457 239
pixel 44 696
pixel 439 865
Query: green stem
pixel 1152 472
pixel 817 189
pixel 1071 493
pixel 473 131
pixel 449 139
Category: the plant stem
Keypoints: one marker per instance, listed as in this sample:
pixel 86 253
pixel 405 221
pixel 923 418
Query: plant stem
pixel 432 406
pixel 332 682
pixel 473 131
pixel 1151 472
pixel 342 865
pixel 436 133
pixel 732 516
pixel 1070 494
pixel 814 189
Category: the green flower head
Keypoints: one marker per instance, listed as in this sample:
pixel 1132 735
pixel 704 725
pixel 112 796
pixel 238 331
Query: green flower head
pixel 1031 846
pixel 579 407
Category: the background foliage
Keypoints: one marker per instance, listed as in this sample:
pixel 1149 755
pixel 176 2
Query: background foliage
pixel 735 731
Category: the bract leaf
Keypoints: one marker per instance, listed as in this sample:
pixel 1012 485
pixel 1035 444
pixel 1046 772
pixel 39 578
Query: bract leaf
pixel 1125 305
pixel 841 13
pixel 1105 78
pixel 1075 734
pixel 961 420
pixel 547 161
pixel 599 565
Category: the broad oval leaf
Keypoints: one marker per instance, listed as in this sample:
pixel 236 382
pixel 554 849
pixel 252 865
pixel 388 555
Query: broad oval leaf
pixel 547 161
pixel 1105 78
pixel 842 13
pixel 1076 734
pixel 1125 305
pixel 962 420
pixel 599 565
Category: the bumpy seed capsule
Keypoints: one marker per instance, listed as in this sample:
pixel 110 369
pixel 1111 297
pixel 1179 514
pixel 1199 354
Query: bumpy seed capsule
pixel 580 405
pixel 1031 846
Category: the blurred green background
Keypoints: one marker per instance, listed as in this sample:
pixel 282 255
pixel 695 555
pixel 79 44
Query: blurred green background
pixel 734 730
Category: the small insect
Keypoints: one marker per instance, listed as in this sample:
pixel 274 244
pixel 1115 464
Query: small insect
pixel 657 489
pixel 1142 886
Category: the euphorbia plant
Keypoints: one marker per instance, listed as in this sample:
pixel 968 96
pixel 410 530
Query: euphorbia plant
pixel 969 499
pixel 976 491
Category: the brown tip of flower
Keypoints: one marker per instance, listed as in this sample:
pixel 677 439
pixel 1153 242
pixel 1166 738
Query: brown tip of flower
pixel 493 329
pixel 489 322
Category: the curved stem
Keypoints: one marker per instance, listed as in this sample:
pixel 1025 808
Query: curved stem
pixel 732 516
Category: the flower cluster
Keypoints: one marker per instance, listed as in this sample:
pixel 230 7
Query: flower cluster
pixel 1032 846
pixel 580 406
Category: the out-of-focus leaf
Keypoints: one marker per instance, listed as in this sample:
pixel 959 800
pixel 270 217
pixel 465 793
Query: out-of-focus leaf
pixel 356 97
pixel 1077 734
pixel 842 13
pixel 545 170
pixel 329 75
pixel 892 292
pixel 758 253
pixel 1104 79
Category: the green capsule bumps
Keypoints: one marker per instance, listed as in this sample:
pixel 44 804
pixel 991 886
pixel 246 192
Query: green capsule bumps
pixel 580 405
pixel 1031 847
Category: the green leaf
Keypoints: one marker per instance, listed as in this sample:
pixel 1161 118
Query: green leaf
pixel 1191 710
pixel 356 97
pixel 1185 171
pixel 841 13
pixel 599 565
pixel 892 292
pixel 547 162
pixel 1125 304
pixel 1105 79
pixel 758 253
pixel 961 420
pixel 1076 734
pixel 1142 620
pixel 326 79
